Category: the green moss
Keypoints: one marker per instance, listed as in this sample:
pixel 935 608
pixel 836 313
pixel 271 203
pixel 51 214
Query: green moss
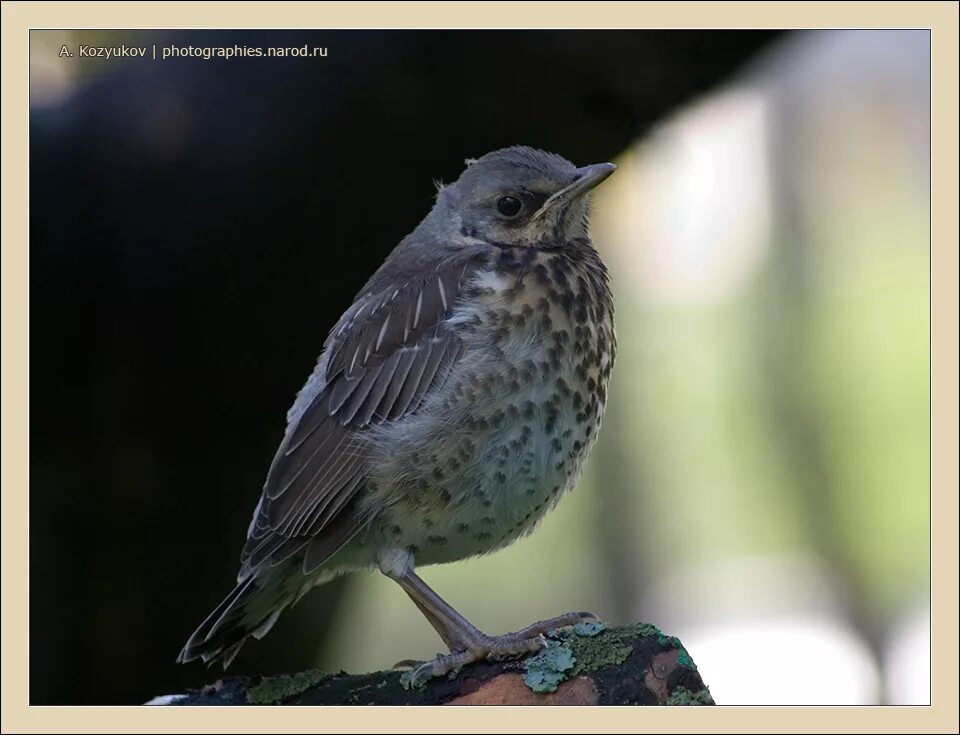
pixel 598 653
pixel 603 648
pixel 643 629
pixel 648 630
pixel 684 697
pixel 548 668
pixel 597 646
pixel 274 689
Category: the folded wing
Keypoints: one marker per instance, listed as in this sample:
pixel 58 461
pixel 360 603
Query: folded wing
pixel 389 350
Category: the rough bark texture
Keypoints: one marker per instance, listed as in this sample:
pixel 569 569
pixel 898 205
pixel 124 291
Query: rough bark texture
pixel 634 664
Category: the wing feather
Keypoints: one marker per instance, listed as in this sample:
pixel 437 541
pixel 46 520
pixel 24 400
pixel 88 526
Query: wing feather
pixel 352 411
pixel 405 360
pixel 410 383
pixel 380 362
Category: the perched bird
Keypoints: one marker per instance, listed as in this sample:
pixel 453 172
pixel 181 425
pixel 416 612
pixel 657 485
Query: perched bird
pixel 453 404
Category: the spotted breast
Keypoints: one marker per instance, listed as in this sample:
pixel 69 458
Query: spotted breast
pixel 487 455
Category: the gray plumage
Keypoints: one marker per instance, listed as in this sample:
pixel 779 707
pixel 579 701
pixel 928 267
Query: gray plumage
pixel 453 403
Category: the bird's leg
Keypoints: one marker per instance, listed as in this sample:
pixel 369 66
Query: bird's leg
pixel 466 642
pixel 449 635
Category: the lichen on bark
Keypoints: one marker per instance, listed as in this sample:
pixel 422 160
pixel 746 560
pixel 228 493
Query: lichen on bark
pixel 588 664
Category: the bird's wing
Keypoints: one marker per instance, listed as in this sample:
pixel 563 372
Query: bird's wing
pixel 381 360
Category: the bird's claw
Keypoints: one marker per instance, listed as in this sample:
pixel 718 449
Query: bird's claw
pixel 405 665
pixel 528 640
pixel 442 665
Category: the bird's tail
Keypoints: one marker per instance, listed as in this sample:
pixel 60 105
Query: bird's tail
pixel 250 609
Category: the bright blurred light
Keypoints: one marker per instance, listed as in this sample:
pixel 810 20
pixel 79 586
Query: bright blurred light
pixel 907 660
pixel 742 588
pixel 785 661
pixel 696 216
pixel 767 629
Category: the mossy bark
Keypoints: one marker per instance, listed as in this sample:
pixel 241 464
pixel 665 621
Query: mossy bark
pixel 634 664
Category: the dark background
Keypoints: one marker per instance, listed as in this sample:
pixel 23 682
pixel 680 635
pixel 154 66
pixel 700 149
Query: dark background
pixel 195 229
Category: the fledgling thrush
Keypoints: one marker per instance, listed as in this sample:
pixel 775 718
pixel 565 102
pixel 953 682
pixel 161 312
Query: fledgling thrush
pixel 453 405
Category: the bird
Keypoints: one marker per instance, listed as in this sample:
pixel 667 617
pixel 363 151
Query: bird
pixel 452 406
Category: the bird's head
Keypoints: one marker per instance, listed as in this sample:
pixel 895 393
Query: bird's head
pixel 521 197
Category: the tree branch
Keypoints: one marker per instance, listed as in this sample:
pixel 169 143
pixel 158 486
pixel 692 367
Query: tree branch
pixel 586 665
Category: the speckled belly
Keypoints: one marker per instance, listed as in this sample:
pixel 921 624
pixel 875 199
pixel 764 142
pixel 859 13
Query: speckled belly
pixel 496 448
pixel 484 486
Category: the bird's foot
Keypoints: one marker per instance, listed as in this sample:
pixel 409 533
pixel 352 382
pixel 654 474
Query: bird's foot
pixel 405 665
pixel 478 646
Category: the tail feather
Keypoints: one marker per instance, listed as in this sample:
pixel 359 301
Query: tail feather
pixel 264 590
pixel 250 609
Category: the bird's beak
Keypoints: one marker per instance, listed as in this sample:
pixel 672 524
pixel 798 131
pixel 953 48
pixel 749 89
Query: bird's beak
pixel 588 177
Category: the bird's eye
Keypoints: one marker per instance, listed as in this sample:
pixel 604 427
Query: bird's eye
pixel 509 206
